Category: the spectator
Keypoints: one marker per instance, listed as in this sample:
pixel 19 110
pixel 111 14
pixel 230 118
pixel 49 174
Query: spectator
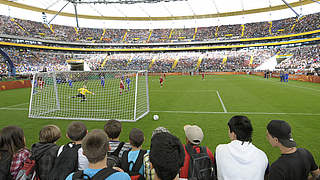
pixel 45 151
pixel 240 159
pixel 132 160
pixel 194 137
pixel 95 147
pixel 113 129
pixel 148 170
pixel 294 163
pixel 70 157
pixel 13 146
pixel 166 156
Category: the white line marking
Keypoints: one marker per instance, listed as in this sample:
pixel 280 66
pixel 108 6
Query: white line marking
pixel 18 109
pixel 224 108
pixel 190 91
pixel 16 105
pixel 256 113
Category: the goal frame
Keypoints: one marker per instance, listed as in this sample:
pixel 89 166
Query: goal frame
pixel 136 117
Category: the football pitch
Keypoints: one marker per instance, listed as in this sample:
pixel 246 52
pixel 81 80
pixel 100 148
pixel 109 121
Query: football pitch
pixel 209 103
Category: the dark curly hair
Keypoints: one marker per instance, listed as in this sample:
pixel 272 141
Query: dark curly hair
pixel 166 155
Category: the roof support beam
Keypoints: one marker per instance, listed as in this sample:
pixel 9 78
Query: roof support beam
pixel 58 13
pixel 289 6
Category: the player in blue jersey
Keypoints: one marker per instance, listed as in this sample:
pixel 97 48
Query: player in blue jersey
pixel 286 77
pixel 102 81
pixel 35 85
pixel 128 81
pixel 70 83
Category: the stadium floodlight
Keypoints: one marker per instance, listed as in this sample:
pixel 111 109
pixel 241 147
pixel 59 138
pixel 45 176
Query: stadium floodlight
pixel 118 1
pixel 94 95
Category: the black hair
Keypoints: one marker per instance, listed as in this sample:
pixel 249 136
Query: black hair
pixel 113 128
pixel 76 131
pixel 136 137
pixel 242 127
pixel 166 155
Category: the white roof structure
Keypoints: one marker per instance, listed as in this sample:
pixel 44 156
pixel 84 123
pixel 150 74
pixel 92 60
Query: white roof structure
pixel 163 14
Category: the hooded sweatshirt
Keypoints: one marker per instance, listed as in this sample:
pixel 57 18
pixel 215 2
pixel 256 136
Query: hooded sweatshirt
pixel 44 154
pixel 240 161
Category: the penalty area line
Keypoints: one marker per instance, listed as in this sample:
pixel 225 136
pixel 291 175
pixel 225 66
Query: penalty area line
pixel 15 105
pixel 224 108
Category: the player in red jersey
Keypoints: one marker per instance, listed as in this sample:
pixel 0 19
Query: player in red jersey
pixel 161 81
pixel 41 83
pixel 202 75
pixel 121 86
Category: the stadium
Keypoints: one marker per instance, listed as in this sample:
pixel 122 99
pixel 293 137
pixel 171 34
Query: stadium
pixel 190 62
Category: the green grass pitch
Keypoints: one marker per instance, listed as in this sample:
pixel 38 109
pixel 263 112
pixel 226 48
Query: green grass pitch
pixel 190 100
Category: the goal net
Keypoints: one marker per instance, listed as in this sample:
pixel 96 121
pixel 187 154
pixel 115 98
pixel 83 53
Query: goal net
pixel 95 95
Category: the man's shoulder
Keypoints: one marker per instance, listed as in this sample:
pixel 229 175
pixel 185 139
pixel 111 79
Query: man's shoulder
pixel 114 176
pixel 221 147
pixel 119 176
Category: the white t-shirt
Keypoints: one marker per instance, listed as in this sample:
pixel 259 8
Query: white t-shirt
pixel 240 161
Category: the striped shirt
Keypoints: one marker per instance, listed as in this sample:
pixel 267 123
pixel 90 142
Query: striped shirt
pixel 114 144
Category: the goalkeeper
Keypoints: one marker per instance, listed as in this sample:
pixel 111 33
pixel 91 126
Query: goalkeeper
pixel 82 93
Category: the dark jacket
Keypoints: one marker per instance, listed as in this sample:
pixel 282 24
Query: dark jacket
pixel 45 155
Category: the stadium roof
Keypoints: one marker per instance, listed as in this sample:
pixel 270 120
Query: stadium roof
pixel 132 14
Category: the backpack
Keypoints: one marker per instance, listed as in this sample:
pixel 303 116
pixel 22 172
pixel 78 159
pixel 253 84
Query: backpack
pixel 5 164
pixel 200 164
pixel 101 175
pixel 113 159
pixel 28 170
pixel 65 163
pixel 134 173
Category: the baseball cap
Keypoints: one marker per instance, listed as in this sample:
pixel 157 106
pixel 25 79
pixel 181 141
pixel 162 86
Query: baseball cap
pixel 193 133
pixel 281 130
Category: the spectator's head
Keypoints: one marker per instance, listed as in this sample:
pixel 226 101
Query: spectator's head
pixel 49 134
pixel 166 155
pixel 77 131
pixel 113 129
pixel 194 134
pixel 95 146
pixel 240 128
pixel 159 130
pixel 12 139
pixel 279 131
pixel 136 137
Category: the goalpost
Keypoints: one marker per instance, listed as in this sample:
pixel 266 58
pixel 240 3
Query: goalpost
pixel 56 95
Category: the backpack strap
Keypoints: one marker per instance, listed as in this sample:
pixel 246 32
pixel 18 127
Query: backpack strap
pixel 117 151
pixel 190 150
pixel 124 161
pixel 104 173
pixel 137 165
pixel 79 175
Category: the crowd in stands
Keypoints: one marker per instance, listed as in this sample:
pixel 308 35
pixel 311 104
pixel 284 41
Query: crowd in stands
pixel 100 154
pixel 298 58
pixel 301 58
pixel 26 28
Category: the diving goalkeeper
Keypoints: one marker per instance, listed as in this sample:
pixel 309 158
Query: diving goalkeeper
pixel 82 93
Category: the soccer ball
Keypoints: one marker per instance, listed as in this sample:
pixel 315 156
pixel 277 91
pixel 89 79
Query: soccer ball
pixel 155 117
